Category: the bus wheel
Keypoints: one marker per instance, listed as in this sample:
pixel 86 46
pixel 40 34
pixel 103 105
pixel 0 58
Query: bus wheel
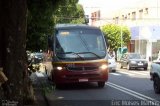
pixel 101 84
pixel 59 86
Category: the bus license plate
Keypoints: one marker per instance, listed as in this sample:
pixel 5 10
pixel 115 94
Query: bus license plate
pixel 140 64
pixel 83 80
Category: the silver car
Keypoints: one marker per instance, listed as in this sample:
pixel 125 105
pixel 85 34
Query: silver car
pixel 112 64
pixel 133 60
pixel 155 75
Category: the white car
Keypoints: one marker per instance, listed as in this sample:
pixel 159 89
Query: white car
pixel 155 75
pixel 112 64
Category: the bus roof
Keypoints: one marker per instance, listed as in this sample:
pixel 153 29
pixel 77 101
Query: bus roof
pixel 67 26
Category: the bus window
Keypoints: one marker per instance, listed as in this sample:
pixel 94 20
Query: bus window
pixel 81 41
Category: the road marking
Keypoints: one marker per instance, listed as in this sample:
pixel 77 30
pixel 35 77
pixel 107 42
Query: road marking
pixel 133 73
pixel 127 92
pixel 141 73
pixel 132 93
pixel 126 73
pixel 117 74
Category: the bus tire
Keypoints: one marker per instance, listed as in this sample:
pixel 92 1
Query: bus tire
pixel 101 84
pixel 59 86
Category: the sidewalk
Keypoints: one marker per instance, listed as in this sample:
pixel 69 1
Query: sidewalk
pixel 40 97
pixel 40 85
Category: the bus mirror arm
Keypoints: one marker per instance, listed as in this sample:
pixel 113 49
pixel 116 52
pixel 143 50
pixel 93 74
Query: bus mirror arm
pixel 107 44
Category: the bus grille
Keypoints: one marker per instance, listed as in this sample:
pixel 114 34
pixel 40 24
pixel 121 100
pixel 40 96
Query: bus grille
pixel 82 68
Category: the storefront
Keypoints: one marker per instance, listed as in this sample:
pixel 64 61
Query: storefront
pixel 146 40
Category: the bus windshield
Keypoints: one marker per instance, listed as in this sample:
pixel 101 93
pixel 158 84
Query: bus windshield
pixel 75 44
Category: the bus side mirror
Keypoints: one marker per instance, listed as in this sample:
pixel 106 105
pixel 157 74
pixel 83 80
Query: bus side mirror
pixel 86 19
pixel 50 43
pixel 106 41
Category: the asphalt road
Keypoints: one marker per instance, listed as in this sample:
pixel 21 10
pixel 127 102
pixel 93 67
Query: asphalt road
pixel 127 88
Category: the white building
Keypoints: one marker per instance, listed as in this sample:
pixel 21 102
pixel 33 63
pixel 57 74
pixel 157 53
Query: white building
pixel 143 19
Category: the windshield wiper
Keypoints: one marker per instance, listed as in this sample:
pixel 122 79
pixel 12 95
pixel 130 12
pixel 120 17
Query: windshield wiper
pixel 71 53
pixel 91 53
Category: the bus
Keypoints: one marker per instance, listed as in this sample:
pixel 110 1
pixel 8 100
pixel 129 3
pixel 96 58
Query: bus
pixel 79 55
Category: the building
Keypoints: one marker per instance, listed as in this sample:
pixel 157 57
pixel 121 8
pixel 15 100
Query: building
pixel 143 19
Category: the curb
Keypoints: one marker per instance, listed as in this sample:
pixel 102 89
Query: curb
pixel 46 100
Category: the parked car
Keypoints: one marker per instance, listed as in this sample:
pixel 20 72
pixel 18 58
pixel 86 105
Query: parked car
pixel 112 64
pixel 28 56
pixel 155 75
pixel 34 60
pixel 39 57
pixel 133 60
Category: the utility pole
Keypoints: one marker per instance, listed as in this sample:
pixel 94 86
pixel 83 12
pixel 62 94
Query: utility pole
pixel 121 39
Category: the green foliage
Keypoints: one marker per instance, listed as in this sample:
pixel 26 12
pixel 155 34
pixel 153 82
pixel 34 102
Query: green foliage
pixel 39 23
pixel 70 12
pixel 44 14
pixel 79 14
pixel 113 33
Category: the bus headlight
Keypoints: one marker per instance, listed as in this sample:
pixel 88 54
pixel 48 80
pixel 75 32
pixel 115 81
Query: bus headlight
pixel 103 67
pixel 59 68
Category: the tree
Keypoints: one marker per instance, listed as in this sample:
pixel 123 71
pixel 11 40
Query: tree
pixel 113 34
pixel 69 12
pixel 42 16
pixel 13 30
pixel 40 23
pixel 79 14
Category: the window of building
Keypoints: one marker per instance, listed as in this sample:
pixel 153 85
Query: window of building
pixel 98 15
pixel 93 17
pixel 133 15
pixel 122 17
pixel 125 18
pixel 116 20
pixel 146 11
pixel 140 14
pixel 128 15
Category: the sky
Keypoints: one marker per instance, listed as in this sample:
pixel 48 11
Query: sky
pixel 108 5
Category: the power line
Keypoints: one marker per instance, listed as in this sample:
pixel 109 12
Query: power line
pixel 97 18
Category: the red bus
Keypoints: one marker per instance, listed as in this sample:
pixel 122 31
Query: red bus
pixel 79 55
